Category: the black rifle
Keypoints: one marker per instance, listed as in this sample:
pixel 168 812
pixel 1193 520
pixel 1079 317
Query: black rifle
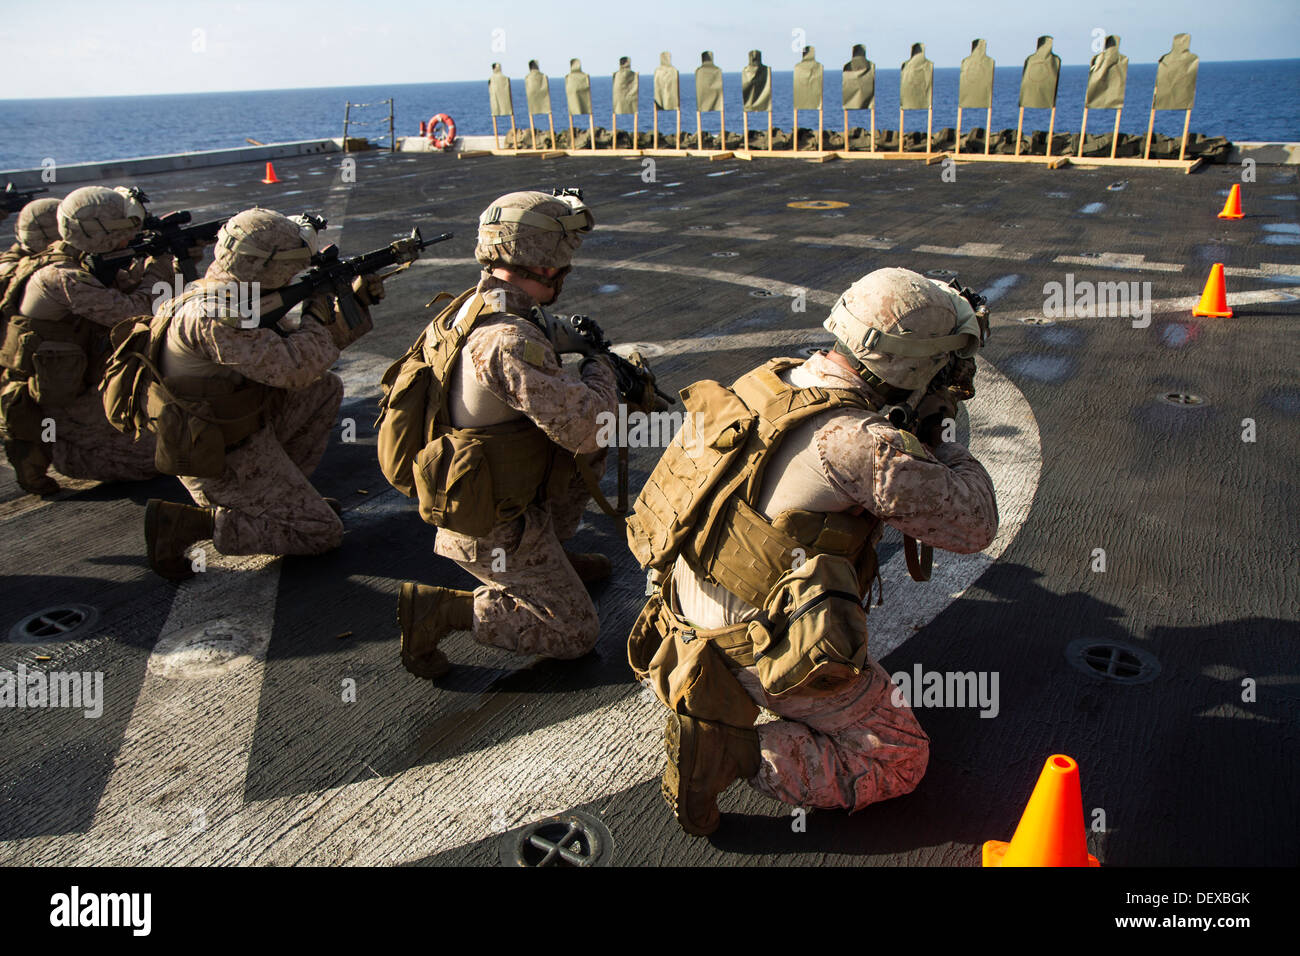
pixel 333 275
pixel 15 199
pixel 630 379
pixel 160 235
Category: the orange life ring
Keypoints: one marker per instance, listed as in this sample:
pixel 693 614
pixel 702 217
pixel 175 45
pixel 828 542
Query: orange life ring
pixel 449 132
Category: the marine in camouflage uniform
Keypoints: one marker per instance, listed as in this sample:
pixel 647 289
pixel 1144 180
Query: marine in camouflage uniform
pixel 532 599
pixel 36 228
pixel 263 501
pixel 92 219
pixel 840 742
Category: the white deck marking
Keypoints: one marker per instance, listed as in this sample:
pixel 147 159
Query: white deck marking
pixel 976 250
pixel 1120 260
pixel 637 226
pixel 739 232
pixel 849 239
pixel 1266 270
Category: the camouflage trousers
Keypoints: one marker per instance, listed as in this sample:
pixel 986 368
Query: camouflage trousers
pixel 532 600
pixel 846 749
pixel 265 503
pixel 87 446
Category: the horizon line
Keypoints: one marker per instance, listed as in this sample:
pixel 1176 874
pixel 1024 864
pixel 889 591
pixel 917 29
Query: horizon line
pixel 484 79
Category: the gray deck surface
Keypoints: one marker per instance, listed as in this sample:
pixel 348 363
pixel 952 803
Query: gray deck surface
pixel 258 760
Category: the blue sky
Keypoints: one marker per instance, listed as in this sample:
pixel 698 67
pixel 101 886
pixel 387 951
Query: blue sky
pixel 81 48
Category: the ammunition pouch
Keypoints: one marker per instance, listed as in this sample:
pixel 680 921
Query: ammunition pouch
pixel 469 480
pixel 400 428
pixel 747 554
pixel 812 635
pixel 20 416
pixel 810 639
pixel 58 375
pixel 52 355
pixel 690 669
pixel 198 420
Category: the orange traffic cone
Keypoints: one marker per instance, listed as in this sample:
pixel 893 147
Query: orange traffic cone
pixel 1051 831
pixel 1232 208
pixel 1214 300
pixel 270 175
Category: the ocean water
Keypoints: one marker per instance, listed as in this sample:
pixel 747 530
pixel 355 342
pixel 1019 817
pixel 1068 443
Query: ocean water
pixel 1253 100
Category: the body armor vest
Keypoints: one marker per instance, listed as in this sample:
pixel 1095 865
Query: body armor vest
pixel 468 479
pixel 60 358
pixel 704 505
pixel 196 418
pixel 806 570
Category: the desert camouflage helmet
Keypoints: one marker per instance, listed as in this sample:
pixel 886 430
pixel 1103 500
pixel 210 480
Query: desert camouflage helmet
pixel 903 327
pixel 38 225
pixel 531 230
pixel 98 219
pixel 259 245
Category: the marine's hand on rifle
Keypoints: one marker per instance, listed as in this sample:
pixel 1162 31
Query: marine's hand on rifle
pixel 323 308
pixel 320 307
pixel 931 413
pixel 155 268
pixel 565 337
pixel 368 289
pixel 641 391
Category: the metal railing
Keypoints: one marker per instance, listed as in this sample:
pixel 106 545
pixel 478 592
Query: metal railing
pixel 349 122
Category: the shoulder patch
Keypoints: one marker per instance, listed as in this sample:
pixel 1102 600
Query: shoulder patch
pixel 908 443
pixel 534 354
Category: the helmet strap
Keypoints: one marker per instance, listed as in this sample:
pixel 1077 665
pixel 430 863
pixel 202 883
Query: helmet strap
pixel 555 282
pixel 888 394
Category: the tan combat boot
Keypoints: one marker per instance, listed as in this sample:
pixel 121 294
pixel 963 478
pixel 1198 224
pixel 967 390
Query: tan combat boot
pixel 30 464
pixel 169 531
pixel 427 615
pixel 591 566
pixel 704 758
